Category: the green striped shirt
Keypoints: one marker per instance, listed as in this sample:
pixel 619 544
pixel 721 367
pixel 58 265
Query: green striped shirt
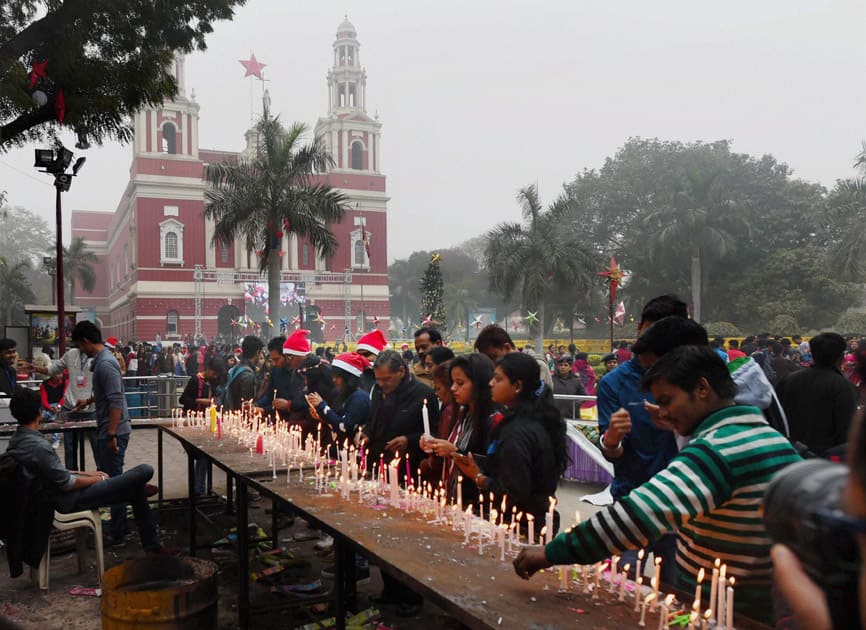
pixel 710 494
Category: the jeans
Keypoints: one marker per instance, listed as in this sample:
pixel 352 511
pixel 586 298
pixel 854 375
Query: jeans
pixel 664 548
pixel 112 464
pixel 118 490
pixel 70 452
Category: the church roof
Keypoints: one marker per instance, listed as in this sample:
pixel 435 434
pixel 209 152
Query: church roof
pixel 346 27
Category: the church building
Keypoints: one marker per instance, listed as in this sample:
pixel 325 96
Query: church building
pixel 158 271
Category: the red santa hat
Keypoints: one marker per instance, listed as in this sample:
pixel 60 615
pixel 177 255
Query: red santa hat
pixel 373 342
pixel 297 344
pixel 111 342
pixel 351 362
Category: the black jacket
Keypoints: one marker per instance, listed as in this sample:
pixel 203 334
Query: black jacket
pixel 196 387
pixel 520 464
pixel 820 405
pixel 397 414
pixel 26 521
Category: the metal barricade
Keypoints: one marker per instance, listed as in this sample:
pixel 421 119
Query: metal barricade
pixel 576 401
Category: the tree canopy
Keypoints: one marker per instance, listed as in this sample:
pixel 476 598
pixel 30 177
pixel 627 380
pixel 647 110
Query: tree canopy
pixel 110 59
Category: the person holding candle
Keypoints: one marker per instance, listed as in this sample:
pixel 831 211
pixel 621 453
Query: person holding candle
pixel 710 494
pixel 277 383
pixel 241 381
pixel 200 392
pixel 432 469
pixel 369 346
pixel 470 377
pixel 526 452
pixel 351 407
pixel 317 377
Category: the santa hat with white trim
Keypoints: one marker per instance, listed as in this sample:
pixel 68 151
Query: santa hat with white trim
pixel 297 344
pixel 351 362
pixel 373 342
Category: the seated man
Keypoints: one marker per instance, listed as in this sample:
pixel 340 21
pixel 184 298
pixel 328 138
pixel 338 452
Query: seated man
pixel 75 491
pixel 710 494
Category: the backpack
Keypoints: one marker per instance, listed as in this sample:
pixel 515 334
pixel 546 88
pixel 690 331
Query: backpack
pixel 225 398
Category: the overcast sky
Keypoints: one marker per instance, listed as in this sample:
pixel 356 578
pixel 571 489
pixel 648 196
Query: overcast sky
pixel 478 99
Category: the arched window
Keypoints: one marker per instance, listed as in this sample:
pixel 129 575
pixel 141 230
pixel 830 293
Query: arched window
pixel 171 245
pixel 357 156
pixel 359 253
pixel 171 323
pixel 169 139
pixel 224 252
pixel 171 242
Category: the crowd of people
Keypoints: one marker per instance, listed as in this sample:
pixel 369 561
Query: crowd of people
pixel 695 429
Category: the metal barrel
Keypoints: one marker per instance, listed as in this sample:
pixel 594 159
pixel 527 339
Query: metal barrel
pixel 160 593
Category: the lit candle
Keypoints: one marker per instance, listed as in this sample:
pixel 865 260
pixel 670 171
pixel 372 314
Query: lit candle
pixel 657 579
pixel 530 519
pixel 714 585
pixel 706 620
pixel 646 602
pixel 623 581
pixel 425 416
pixel 729 606
pixel 698 589
pixel 637 590
pixel 663 616
pixel 541 535
pixel 720 602
pixel 548 520
pixel 640 565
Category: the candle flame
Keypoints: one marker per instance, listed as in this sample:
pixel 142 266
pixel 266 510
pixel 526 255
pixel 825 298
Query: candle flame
pixel 701 575
pixel 708 613
pixel 669 599
pixel 626 567
pixel 649 598
pixel 543 529
pixel 653 583
pixel 530 517
pixel 731 582
pixel 639 580
pixel 641 554
pixel 658 561
pixel 692 616
pixel 717 563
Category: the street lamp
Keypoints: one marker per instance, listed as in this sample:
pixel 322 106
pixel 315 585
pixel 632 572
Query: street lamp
pixel 55 162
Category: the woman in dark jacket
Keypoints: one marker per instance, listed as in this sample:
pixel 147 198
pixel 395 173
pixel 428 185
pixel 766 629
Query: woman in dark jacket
pixel 526 453
pixel 351 408
pixel 200 391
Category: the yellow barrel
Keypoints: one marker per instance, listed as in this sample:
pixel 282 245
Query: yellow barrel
pixel 160 593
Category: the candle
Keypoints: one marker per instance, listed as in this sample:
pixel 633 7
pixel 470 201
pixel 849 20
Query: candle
pixel 614 562
pixel 657 578
pixel 425 416
pixel 720 602
pixel 548 520
pixel 729 606
pixel 541 535
pixel 713 586
pixel 530 519
pixel 623 581
pixel 646 602
pixel 663 617
pixel 460 492
pixel 706 620
pixel 698 589
pixel 637 590
pixel 640 565
pixel 563 578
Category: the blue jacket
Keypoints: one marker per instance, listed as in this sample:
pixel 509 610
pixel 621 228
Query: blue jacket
pixel 646 450
pixel 355 412
pixel 281 381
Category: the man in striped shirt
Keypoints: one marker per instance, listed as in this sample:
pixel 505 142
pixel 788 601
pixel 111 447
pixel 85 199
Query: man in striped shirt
pixel 710 494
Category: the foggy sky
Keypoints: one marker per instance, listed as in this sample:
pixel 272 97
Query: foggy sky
pixel 478 99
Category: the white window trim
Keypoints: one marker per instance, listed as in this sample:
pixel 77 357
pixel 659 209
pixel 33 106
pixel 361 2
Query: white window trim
pixel 354 237
pixel 166 227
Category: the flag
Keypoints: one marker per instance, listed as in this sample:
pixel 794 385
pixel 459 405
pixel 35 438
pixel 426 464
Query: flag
pixel 366 238
pixel 619 315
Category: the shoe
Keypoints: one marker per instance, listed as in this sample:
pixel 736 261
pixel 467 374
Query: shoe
pixel 405 609
pixel 361 573
pixel 113 543
pixel 150 489
pixel 325 543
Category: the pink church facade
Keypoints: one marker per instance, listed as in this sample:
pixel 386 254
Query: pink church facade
pixel 158 271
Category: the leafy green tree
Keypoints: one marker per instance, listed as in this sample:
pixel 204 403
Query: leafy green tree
pixel 78 267
pixel 537 258
pixel 26 234
pixel 14 287
pixel 404 292
pixel 262 199
pixel 110 59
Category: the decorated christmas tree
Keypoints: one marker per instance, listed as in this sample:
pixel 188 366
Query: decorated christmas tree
pixel 433 295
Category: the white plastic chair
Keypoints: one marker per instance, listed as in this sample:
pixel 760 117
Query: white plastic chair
pixel 81 521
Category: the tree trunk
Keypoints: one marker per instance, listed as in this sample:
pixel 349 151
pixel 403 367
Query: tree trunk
pixel 696 285
pixel 273 323
pixel 540 338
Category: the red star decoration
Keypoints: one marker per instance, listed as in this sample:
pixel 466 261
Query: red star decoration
pixel 254 68
pixel 37 72
pixel 614 275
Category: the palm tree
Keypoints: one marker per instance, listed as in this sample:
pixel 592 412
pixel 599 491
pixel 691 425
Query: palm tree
pixel 14 287
pixel 77 265
pixel 538 257
pixel 848 212
pixel 274 194
pixel 698 218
